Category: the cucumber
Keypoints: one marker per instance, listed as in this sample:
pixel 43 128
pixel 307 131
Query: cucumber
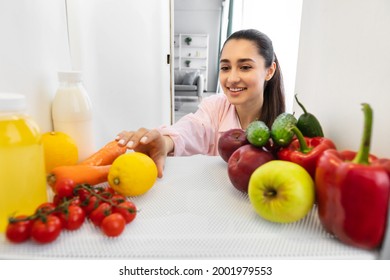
pixel 257 133
pixel 282 129
pixel 308 124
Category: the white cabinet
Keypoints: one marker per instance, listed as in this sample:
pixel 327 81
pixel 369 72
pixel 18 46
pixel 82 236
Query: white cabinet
pixel 192 52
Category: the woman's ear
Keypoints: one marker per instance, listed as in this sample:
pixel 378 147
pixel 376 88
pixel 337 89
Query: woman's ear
pixel 271 71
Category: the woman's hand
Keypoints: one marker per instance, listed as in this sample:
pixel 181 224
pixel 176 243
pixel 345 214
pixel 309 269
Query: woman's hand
pixel 149 142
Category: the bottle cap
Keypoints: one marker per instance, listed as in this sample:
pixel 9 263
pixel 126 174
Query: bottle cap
pixel 70 76
pixel 12 102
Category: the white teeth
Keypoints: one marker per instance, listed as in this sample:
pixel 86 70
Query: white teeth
pixel 235 89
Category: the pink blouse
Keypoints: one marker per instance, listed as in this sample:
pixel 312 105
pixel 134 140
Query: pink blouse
pixel 198 133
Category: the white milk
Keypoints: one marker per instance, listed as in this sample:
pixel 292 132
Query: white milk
pixel 72 112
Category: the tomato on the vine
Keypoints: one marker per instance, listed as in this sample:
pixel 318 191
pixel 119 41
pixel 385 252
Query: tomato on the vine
pixel 97 215
pixel 64 187
pixel 46 230
pixel 46 208
pixel 83 194
pixel 118 198
pixel 106 192
pixel 19 231
pixel 72 218
pixel 127 209
pixel 113 225
pixel 90 204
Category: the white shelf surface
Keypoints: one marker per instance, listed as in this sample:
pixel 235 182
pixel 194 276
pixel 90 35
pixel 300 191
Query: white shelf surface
pixel 194 212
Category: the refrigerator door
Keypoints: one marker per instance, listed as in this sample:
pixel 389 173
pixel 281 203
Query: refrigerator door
pixel 122 47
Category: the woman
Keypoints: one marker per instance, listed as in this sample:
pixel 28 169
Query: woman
pixel 253 90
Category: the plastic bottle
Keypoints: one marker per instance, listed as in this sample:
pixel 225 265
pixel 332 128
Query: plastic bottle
pixel 22 169
pixel 72 112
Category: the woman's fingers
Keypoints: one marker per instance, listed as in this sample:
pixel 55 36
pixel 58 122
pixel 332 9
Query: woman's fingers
pixel 146 141
pixel 131 139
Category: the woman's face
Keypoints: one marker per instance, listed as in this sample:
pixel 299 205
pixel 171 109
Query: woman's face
pixel 243 72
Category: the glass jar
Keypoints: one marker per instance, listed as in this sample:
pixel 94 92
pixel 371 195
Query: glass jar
pixel 22 170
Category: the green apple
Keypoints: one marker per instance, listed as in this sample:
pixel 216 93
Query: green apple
pixel 281 191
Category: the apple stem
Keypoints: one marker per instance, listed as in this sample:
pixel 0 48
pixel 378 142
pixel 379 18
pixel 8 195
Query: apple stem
pixel 270 193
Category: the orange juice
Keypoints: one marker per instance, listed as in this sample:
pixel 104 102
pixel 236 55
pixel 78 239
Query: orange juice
pixel 22 171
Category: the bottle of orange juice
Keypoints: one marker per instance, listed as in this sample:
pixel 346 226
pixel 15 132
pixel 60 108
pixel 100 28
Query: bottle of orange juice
pixel 22 169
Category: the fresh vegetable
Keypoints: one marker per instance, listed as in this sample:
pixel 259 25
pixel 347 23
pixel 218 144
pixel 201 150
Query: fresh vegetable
pixel 106 155
pixel 63 187
pixel 258 133
pixel 19 231
pixel 79 174
pixel 308 124
pixel 47 229
pixel 306 151
pixel 127 209
pixel 353 192
pixel 113 225
pixel 102 211
pixel 282 129
pixel 70 213
pixel 72 217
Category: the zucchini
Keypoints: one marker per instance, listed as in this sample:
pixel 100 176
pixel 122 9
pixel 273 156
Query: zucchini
pixel 282 130
pixel 308 124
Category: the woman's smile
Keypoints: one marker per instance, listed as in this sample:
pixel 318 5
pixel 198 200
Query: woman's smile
pixel 236 91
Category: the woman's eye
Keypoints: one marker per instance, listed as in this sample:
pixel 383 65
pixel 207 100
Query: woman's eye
pixel 224 68
pixel 245 67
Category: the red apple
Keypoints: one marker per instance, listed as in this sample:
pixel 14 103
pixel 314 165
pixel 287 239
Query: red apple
pixel 230 141
pixel 243 162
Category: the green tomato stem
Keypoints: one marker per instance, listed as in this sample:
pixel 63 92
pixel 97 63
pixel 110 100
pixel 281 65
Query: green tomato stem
pixel 364 150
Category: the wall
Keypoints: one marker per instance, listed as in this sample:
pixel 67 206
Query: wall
pixel 280 20
pixel 343 61
pixel 34 45
pixel 201 16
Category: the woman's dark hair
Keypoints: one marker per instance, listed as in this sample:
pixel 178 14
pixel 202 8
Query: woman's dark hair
pixel 274 102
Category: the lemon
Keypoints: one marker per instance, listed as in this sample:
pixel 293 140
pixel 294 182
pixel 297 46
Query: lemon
pixel 132 174
pixel 59 149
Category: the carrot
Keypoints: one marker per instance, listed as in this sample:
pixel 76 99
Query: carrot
pixel 106 155
pixel 80 174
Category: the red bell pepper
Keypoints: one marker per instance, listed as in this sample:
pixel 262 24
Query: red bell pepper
pixel 353 191
pixel 305 151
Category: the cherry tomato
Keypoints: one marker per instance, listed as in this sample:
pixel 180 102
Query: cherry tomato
pixel 113 225
pixel 18 232
pixel 90 204
pixel 46 231
pixel 118 198
pixel 72 218
pixel 64 187
pixel 46 207
pixel 97 215
pixel 107 192
pixel 83 194
pixel 127 209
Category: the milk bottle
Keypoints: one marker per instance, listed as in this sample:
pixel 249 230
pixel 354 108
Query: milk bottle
pixel 72 112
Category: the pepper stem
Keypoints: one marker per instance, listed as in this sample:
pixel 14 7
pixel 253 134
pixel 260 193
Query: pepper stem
pixel 364 150
pixel 302 142
pixel 300 104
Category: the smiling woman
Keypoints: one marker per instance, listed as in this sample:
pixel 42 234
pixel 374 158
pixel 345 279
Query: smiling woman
pixel 253 89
